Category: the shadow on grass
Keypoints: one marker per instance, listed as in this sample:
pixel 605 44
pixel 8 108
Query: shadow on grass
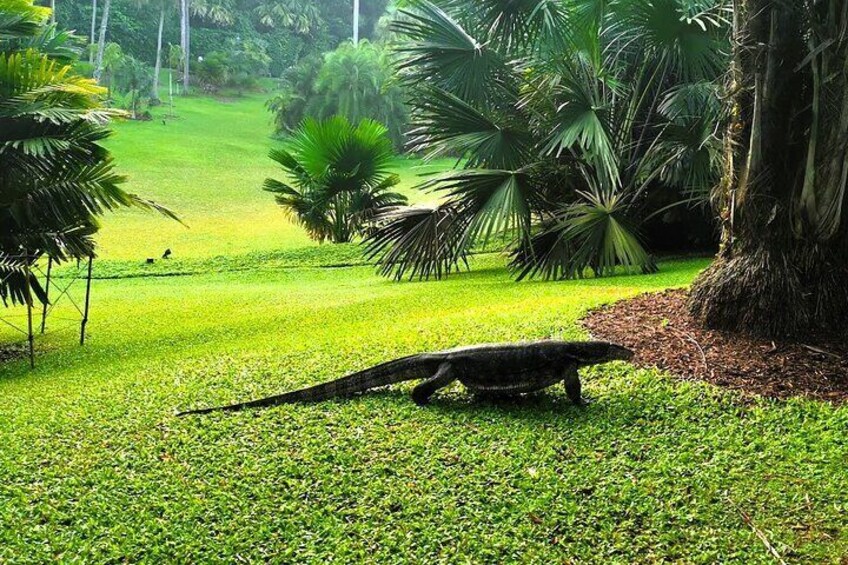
pixel 542 407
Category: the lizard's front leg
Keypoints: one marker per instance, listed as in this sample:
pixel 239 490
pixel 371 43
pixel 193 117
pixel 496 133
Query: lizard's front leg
pixel 573 388
pixel 444 376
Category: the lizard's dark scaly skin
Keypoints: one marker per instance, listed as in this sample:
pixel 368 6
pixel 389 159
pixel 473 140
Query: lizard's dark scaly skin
pixel 499 370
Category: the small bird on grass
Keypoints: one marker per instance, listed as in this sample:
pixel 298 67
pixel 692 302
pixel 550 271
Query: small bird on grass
pixel 167 254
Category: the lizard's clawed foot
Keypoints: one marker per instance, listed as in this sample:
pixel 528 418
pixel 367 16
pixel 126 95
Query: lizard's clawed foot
pixel 420 399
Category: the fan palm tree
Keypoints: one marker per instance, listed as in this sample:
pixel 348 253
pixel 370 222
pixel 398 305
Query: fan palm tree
pixel 55 176
pixel 783 264
pixel 338 177
pixel 568 117
pixel 357 82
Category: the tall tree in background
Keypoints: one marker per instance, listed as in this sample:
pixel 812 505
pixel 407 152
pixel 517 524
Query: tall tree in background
pixel 355 23
pixel 185 31
pixel 93 36
pixel 159 6
pixel 101 42
pixel 157 67
pixel 783 265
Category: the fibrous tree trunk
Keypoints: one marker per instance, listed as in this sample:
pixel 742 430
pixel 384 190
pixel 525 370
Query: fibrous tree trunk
pixel 783 265
pixel 157 69
pixel 101 42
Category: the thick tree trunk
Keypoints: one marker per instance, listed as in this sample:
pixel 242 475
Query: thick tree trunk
pixel 157 68
pixel 101 43
pixel 783 265
pixel 774 292
pixel 93 30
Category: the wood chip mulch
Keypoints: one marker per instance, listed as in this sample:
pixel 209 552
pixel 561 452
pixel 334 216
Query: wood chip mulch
pixel 658 327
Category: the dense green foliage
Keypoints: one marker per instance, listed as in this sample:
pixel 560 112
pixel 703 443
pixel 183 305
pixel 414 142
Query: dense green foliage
pixel 286 31
pixel 238 66
pixel 340 177
pixel 55 175
pixel 356 82
pixel 577 121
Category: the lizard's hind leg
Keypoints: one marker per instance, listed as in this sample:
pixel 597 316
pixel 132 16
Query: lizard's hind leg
pixel 444 376
pixel 573 388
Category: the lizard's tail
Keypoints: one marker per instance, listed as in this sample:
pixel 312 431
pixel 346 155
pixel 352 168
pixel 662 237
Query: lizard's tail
pixel 399 370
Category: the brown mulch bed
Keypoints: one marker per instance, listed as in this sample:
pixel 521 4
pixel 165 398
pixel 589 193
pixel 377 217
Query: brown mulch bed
pixel 658 327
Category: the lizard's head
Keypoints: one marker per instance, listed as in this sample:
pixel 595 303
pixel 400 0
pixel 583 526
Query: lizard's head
pixel 619 353
pixel 595 352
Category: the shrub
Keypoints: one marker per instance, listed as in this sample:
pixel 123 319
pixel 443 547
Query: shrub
pixel 339 177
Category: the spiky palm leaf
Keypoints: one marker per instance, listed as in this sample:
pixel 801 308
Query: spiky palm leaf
pixel 439 51
pixel 420 242
pixel 447 125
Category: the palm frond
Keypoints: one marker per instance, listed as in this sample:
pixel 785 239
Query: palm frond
pixel 584 120
pixel 499 201
pixel 419 242
pixel 21 19
pixel 439 51
pixel 686 34
pixel 446 125
pixel 518 25
pixel 593 233
pixel 17 283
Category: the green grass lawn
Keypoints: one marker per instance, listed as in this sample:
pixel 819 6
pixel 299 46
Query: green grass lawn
pixel 94 467
pixel 208 164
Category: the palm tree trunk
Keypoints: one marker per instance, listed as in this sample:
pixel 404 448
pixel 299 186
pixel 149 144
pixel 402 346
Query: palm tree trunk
pixel 355 22
pixel 783 265
pixel 157 69
pixel 93 30
pixel 52 11
pixel 185 34
pixel 101 43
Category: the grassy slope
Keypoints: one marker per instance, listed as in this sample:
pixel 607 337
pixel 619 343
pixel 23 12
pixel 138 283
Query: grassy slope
pixel 208 165
pixel 95 468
